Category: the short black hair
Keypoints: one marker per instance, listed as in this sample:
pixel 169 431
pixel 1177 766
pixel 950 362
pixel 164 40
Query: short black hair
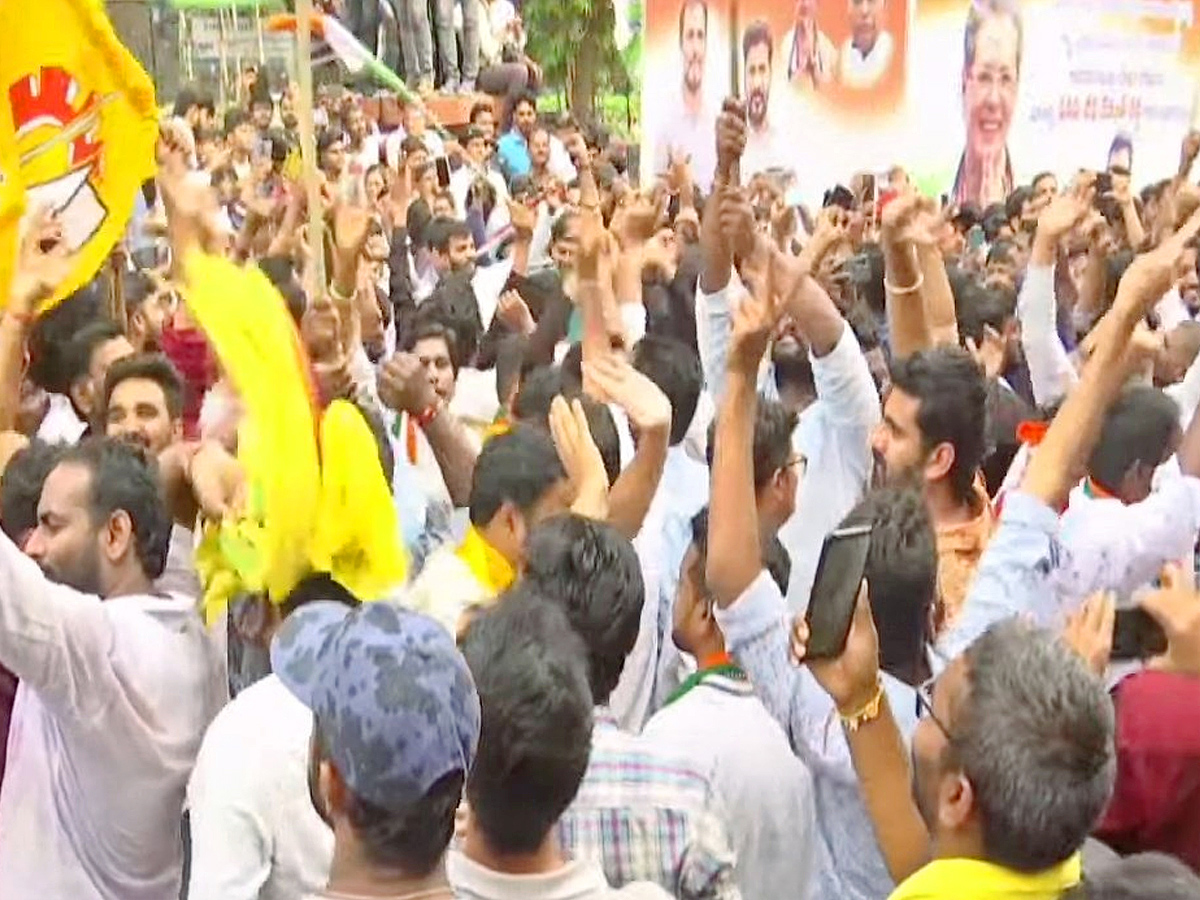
pixel 431 328
pixel 535 738
pixel 233 118
pixel 675 368
pixel 517 467
pixel 539 387
pixel 150 367
pixel 758 32
pixel 50 337
pixel 591 571
pixel 1144 876
pixel 1137 430
pixel 125 478
pixel 85 343
pixel 994 219
pixel 442 230
pixel 1015 204
pixel 980 306
pixel 1040 175
pixel 191 96
pixel 773 427
pixel 21 487
pixel 415 842
pixel 952 395
pixel 901 570
pixel 526 97
pixel 776 560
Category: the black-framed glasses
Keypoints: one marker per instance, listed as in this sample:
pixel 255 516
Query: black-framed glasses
pixel 924 693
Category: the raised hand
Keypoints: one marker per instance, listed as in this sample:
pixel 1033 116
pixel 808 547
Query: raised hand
pixel 514 312
pixel 754 322
pixel 1089 631
pixel 736 216
pixel 731 136
pixel 351 226
pixel 1067 210
pixel 580 457
pixel 615 379
pixel 43 263
pixel 988 352
pixel 523 219
pixel 910 219
pixel 1176 607
pixel 852 679
pixel 404 385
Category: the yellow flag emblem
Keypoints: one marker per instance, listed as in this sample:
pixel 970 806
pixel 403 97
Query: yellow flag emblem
pixel 78 115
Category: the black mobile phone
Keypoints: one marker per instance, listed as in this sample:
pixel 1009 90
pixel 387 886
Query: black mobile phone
pixel 1136 635
pixel 835 590
pixel 1103 184
pixel 443 171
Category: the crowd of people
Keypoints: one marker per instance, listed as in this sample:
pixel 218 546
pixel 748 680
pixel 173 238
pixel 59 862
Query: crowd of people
pixel 619 426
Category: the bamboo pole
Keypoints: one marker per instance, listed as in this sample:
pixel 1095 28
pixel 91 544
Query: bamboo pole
pixel 308 148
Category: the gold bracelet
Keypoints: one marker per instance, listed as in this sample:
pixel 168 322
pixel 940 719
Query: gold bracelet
pixel 339 296
pixel 869 711
pixel 892 289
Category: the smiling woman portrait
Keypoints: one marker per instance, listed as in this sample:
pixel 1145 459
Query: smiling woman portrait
pixel 990 77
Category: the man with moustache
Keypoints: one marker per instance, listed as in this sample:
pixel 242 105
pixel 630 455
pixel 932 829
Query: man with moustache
pixel 869 51
pixel 933 437
pixel 687 126
pixel 765 146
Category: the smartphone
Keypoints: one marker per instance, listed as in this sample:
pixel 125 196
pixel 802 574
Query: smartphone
pixel 1136 635
pixel 835 590
pixel 443 171
pixel 975 238
pixel 1103 185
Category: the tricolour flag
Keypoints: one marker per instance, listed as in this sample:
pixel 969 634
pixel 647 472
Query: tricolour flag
pixel 77 112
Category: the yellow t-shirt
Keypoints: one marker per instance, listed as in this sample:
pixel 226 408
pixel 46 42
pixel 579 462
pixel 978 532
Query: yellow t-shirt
pixel 974 879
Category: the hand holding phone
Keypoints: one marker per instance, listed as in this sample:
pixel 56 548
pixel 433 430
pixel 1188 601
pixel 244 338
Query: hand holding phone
pixel 835 590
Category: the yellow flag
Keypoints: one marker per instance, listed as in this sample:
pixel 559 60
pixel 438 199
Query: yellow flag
pixel 249 327
pixel 80 113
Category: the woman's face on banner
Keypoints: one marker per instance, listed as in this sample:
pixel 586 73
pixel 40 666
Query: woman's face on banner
pixel 990 86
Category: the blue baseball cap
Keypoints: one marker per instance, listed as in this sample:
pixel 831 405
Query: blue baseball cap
pixel 394 698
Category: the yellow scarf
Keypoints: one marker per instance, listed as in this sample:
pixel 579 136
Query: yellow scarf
pixel 953 879
pixel 486 563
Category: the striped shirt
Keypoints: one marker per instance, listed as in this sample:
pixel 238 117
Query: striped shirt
pixel 646 815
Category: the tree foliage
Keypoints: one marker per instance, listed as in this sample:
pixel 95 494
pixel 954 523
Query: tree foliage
pixel 573 42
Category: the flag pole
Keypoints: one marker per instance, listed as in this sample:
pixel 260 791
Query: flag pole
pixel 308 148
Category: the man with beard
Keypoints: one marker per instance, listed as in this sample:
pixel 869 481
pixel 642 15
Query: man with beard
pixel 150 306
pixel 687 127
pixel 933 437
pixel 143 402
pixel 764 144
pixel 1013 762
pixel 116 687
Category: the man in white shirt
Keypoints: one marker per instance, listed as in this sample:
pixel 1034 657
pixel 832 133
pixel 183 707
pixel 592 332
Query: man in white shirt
pixel 255 833
pixel 715 719
pixel 867 53
pixel 116 688
pixel 766 146
pixel 686 122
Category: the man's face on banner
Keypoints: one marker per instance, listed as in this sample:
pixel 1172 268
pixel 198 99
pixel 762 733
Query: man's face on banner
pixel 806 10
pixel 693 37
pixel 990 86
pixel 865 18
pixel 758 84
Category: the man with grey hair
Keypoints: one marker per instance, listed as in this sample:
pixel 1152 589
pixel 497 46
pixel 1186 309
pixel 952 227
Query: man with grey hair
pixel 1013 762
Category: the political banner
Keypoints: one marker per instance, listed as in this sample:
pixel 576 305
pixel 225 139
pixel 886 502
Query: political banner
pixel 970 96
pixel 78 123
